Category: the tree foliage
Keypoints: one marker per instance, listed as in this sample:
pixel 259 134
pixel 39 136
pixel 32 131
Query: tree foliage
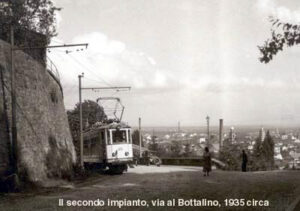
pixel 262 157
pixel 268 150
pixel 231 155
pixel 257 149
pixel 153 145
pixel 263 153
pixel 176 149
pixel 91 113
pixel 33 15
pixel 187 150
pixel 136 138
pixel 282 35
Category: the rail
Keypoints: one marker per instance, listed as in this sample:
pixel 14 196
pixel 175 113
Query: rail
pixel 53 71
pixel 52 68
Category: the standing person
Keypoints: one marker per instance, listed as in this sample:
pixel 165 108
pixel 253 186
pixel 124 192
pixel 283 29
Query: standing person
pixel 244 161
pixel 147 158
pixel 206 162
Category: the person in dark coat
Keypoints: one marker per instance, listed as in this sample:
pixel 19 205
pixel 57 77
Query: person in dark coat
pixel 206 162
pixel 244 161
pixel 146 157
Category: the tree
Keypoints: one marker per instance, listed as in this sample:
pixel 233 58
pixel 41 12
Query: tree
pixel 259 162
pixel 136 138
pixel 268 150
pixel 176 148
pixel 29 15
pixel 231 155
pixel 282 34
pixel 257 149
pixel 263 153
pixel 91 113
pixel 187 150
pixel 153 146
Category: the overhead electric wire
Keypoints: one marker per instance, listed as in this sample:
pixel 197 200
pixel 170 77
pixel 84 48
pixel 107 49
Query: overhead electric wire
pixel 108 111
pixel 89 79
pixel 91 71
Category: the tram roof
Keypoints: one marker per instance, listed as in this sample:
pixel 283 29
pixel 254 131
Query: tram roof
pixel 100 126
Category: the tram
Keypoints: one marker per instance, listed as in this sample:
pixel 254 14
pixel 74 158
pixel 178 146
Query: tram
pixel 108 145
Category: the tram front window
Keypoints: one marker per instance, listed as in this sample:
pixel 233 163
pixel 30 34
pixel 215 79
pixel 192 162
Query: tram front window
pixel 119 136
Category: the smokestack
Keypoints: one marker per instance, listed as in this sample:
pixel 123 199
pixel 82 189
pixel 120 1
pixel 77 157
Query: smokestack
pixel 221 133
pixel 208 134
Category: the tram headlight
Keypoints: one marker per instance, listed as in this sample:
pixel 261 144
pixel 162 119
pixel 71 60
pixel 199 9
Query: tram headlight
pixel 126 153
pixel 114 154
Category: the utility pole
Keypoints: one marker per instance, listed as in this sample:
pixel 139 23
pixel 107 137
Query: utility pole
pixel 208 135
pixel 14 141
pixel 178 127
pixel 80 122
pixel 140 136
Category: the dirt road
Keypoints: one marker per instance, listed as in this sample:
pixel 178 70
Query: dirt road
pixel 167 188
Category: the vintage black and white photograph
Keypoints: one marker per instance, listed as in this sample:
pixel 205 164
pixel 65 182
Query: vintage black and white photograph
pixel 149 105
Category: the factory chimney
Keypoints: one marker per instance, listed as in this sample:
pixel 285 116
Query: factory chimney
pixel 221 133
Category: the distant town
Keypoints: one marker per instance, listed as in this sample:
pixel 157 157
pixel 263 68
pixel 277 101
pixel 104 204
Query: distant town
pixel 191 141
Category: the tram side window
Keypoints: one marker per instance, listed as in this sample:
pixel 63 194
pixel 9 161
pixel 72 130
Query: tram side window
pixel 93 142
pixel 119 136
pixel 102 137
pixel 86 144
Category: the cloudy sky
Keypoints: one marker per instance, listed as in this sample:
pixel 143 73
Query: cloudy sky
pixel 184 59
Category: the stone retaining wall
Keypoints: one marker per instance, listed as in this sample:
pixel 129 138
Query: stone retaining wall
pixel 45 147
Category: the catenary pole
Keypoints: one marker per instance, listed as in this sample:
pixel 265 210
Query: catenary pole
pixel 14 140
pixel 80 122
pixel 140 136
pixel 208 133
